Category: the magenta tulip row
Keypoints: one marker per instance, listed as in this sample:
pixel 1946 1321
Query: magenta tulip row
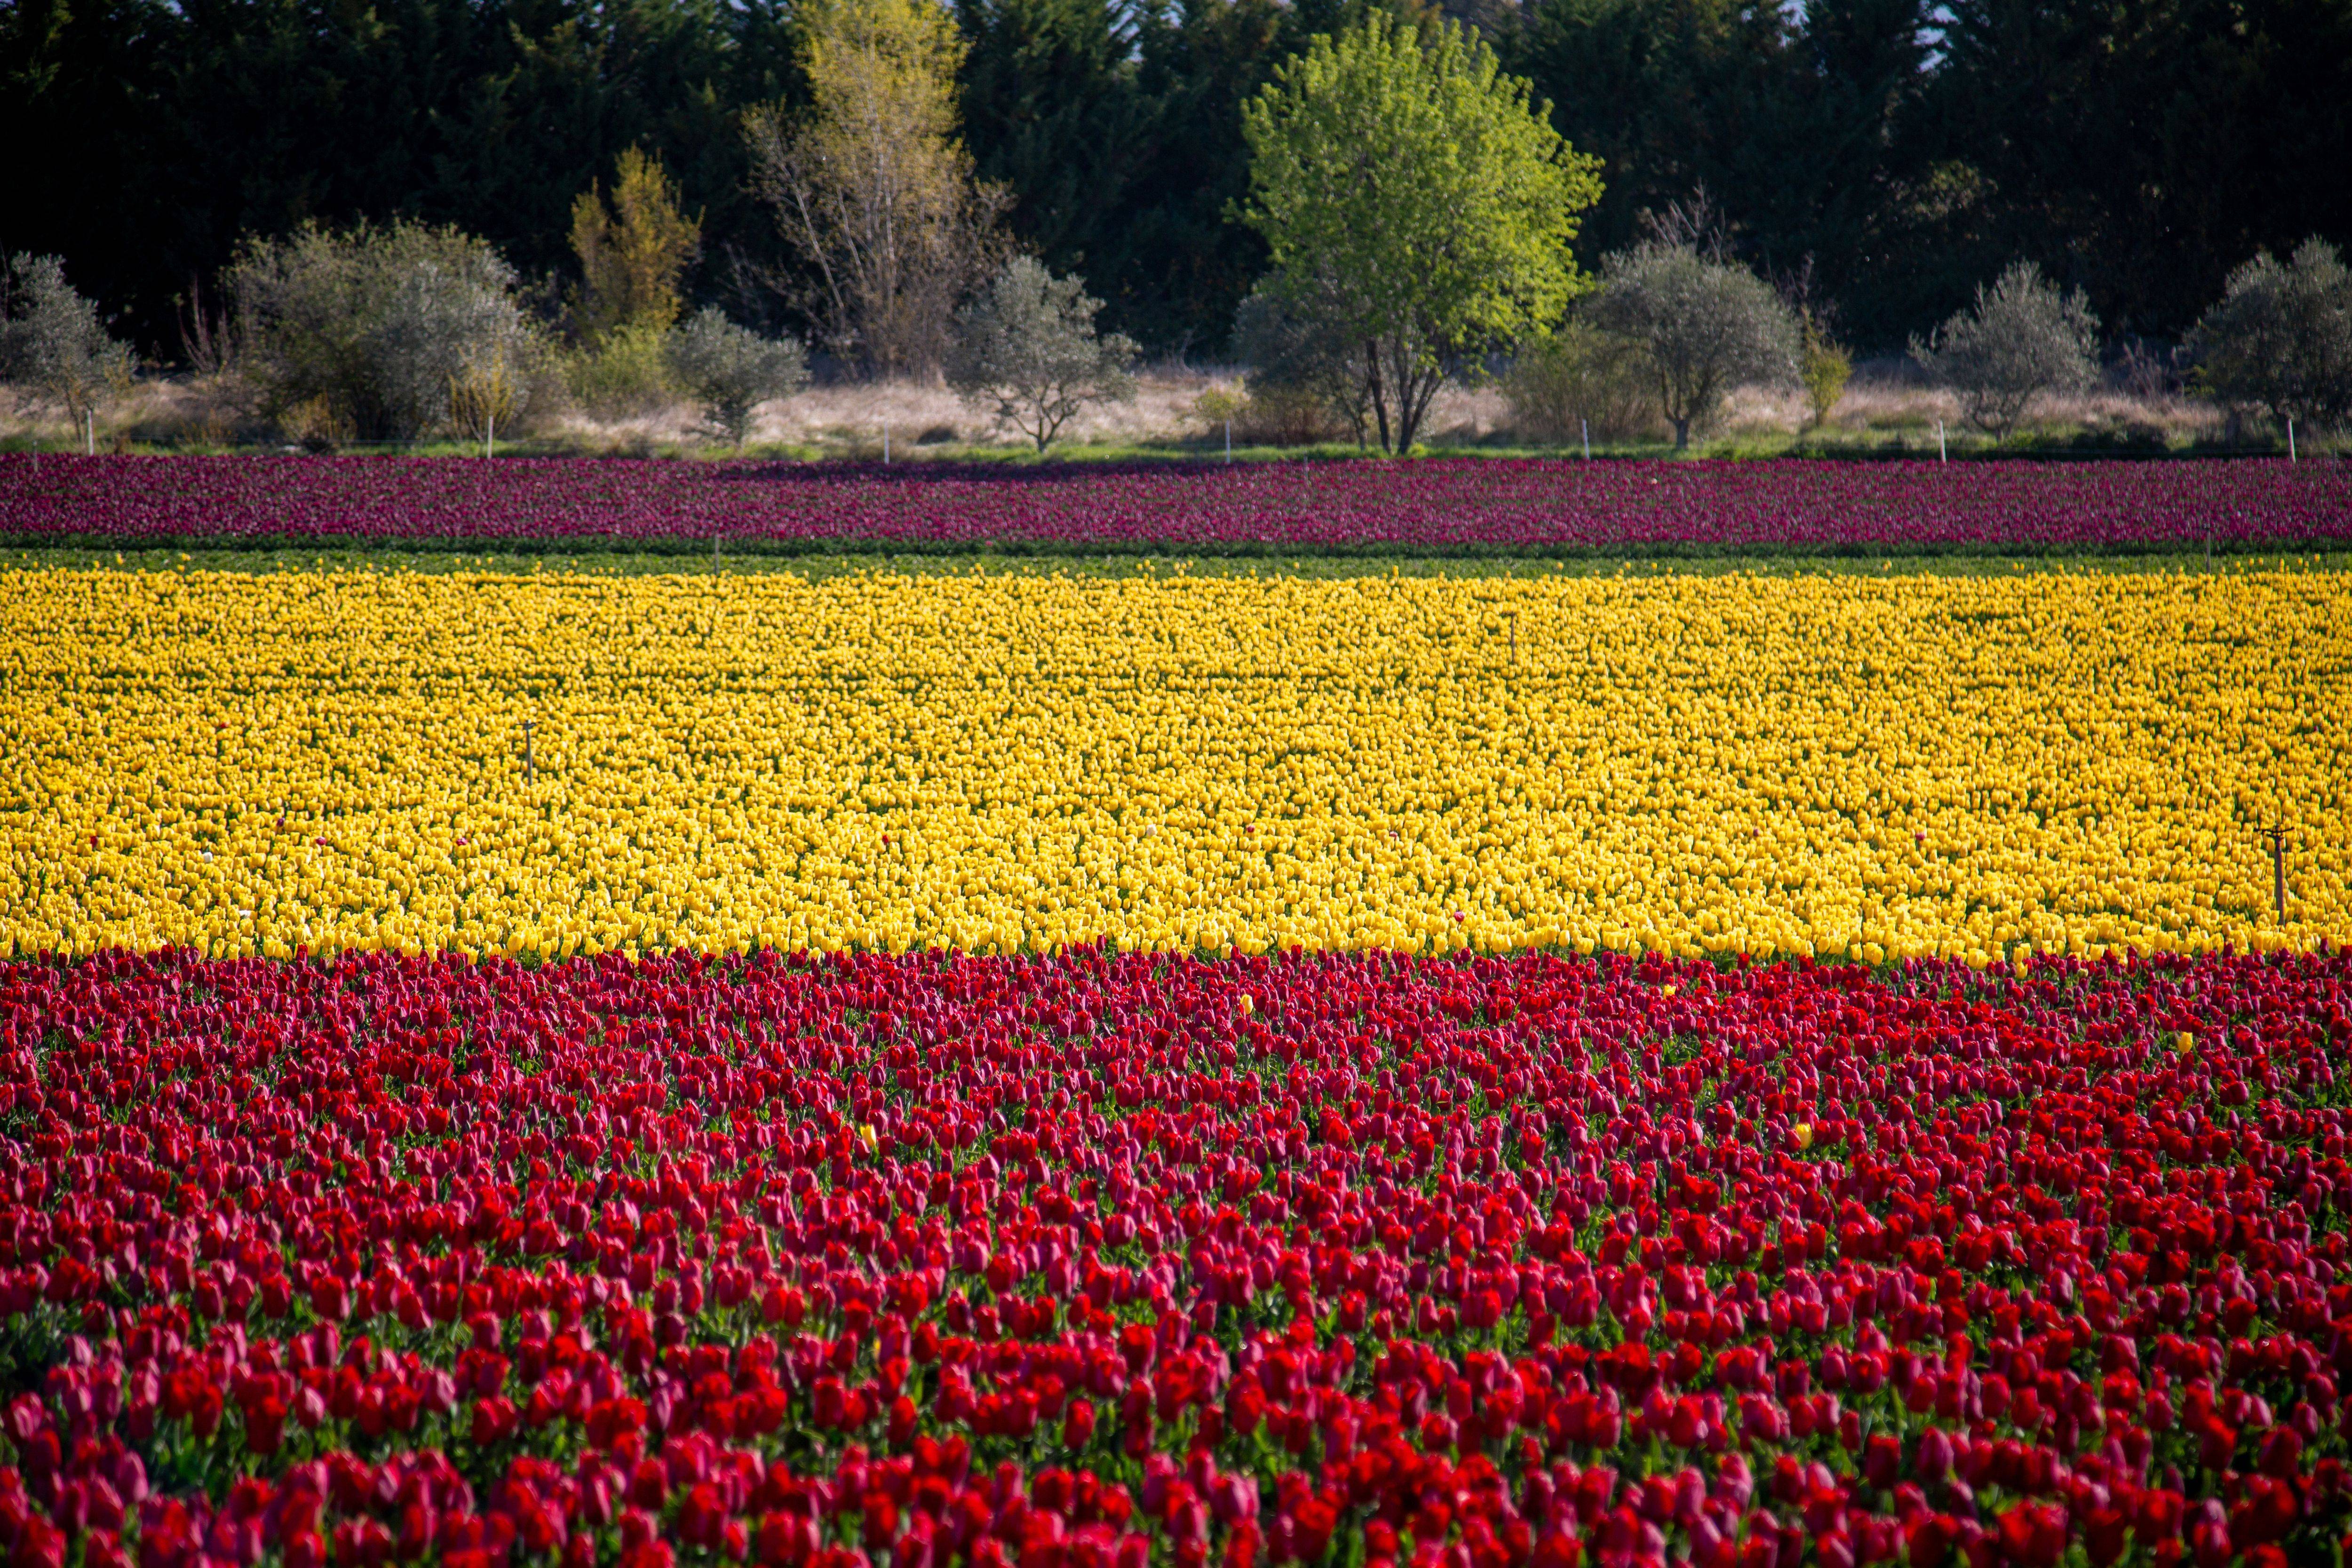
pixel 1466 507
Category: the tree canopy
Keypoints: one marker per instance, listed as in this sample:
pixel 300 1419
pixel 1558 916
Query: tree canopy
pixel 1897 152
pixel 1416 200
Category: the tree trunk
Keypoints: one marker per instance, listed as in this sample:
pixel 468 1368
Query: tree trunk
pixel 1380 391
pixel 1682 435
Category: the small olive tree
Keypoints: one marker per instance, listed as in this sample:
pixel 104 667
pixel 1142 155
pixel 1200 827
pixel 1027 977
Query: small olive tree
pixel 731 369
pixel 374 332
pixel 1704 326
pixel 2281 336
pixel 1027 344
pixel 53 345
pixel 2022 338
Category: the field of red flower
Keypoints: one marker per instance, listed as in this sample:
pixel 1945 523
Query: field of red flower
pixel 1141 1261
pixel 1435 507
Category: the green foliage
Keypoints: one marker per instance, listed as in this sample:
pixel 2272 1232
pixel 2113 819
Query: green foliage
pixel 2067 131
pixel 1704 327
pixel 2281 337
pixel 1581 381
pixel 1054 111
pixel 2022 339
pixel 1824 367
pixel 169 132
pixel 370 329
pixel 731 369
pixel 633 253
pixel 624 374
pixel 2140 152
pixel 1028 345
pixel 1799 117
pixel 1301 365
pixel 1414 199
pixel 52 343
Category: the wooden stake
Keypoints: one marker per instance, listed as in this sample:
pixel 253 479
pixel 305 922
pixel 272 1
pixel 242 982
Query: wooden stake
pixel 529 767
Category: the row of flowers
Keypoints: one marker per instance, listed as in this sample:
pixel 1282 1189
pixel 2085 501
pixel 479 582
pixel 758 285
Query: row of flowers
pixel 1816 765
pixel 1437 506
pixel 1109 1261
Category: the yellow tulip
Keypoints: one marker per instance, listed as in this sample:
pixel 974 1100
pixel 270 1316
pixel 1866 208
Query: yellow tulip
pixel 1859 769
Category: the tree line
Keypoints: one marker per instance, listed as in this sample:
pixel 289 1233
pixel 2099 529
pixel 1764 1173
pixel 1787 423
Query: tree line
pixel 1875 160
pixel 1417 209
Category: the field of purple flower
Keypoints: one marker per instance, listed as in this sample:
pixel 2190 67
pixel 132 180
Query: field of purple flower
pixel 1462 508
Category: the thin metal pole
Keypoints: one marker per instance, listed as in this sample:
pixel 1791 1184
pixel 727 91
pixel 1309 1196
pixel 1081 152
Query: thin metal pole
pixel 2277 837
pixel 1942 454
pixel 529 766
pixel 886 443
pixel 1586 425
pixel 489 435
pixel 90 432
pixel 2290 438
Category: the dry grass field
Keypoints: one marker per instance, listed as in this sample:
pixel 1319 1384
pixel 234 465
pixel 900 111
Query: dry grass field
pixel 1886 402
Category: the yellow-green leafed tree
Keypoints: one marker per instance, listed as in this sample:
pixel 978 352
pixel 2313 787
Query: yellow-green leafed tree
pixel 633 253
pixel 872 184
pixel 1418 203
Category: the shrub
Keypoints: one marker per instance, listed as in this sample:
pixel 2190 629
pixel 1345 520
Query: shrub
pixel 1824 367
pixel 2022 339
pixel 381 325
pixel 1027 344
pixel 1581 379
pixel 52 343
pixel 2281 337
pixel 1704 327
pixel 731 369
pixel 624 374
pixel 1308 381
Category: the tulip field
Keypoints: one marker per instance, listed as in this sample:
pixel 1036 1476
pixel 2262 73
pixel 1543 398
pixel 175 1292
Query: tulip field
pixel 1820 766
pixel 1103 1259
pixel 1470 506
pixel 899 1063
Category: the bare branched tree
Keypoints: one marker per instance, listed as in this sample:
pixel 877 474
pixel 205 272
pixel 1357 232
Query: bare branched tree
pixel 1694 222
pixel 872 187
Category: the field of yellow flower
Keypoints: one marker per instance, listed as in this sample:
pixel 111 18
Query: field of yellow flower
pixel 1875 766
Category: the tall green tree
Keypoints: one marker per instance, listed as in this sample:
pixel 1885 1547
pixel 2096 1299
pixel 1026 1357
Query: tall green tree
pixel 1418 201
pixel 1054 111
pixel 2138 152
pixel 1181 265
pixel 207 121
pixel 1797 121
